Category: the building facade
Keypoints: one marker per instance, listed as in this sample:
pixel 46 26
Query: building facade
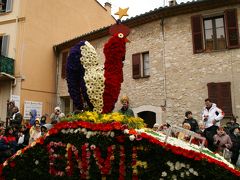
pixel 33 28
pixel 178 56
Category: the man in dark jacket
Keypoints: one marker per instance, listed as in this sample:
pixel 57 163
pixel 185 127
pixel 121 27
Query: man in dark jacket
pixel 235 137
pixel 193 123
pixel 16 118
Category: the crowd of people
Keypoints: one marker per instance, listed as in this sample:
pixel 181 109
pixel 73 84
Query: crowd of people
pixel 224 140
pixel 17 134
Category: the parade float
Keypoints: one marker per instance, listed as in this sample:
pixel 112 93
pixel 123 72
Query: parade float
pixel 99 144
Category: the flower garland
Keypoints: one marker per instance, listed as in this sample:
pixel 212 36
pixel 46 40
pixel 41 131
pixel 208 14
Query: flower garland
pixel 130 162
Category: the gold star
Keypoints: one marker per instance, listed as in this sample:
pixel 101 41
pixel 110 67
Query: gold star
pixel 122 12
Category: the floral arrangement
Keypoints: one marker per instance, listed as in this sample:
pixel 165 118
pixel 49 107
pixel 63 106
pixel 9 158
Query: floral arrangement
pixel 90 82
pixel 107 148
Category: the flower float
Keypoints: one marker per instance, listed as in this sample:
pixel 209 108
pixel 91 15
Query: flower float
pixel 97 146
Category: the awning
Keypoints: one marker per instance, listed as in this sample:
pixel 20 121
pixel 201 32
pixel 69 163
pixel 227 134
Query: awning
pixel 5 76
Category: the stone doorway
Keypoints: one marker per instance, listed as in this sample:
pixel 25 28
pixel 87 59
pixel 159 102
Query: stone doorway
pixel 149 118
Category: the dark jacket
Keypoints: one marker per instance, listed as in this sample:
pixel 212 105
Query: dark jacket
pixel 17 120
pixel 193 123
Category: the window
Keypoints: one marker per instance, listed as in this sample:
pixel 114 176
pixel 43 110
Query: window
pixel 140 65
pixel 216 32
pixel 220 93
pixel 4 42
pixel 64 63
pixel 6 6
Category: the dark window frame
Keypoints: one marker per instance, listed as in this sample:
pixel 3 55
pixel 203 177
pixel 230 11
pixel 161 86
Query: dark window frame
pixel 138 65
pixel 214 30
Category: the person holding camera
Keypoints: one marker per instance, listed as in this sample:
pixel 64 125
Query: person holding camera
pixel 211 116
pixel 57 115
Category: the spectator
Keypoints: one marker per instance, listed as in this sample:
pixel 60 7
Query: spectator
pixel 35 134
pixel 125 107
pixel 164 128
pixel 45 128
pixel 232 124
pixel 155 127
pixel 221 141
pixel 182 135
pixel 16 118
pixel 11 139
pixel 5 149
pixel 211 116
pixel 24 136
pixel 235 138
pixel 193 123
pixel 43 120
pixel 33 116
pixel 57 115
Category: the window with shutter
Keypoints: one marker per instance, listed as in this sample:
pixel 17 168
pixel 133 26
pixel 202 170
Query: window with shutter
pixel 220 93
pixel 197 33
pixel 9 5
pixel 4 40
pixel 136 65
pixel 231 23
pixel 64 62
pixel 6 6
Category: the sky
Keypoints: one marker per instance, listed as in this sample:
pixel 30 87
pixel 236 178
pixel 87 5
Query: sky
pixel 136 7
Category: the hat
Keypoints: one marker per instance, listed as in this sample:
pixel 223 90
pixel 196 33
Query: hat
pixel 37 121
pixel 124 98
pixel 156 125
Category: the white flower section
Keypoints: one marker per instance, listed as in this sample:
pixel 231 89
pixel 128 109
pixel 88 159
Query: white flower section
pixel 94 76
pixel 179 143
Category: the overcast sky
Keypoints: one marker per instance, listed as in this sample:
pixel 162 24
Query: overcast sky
pixel 136 7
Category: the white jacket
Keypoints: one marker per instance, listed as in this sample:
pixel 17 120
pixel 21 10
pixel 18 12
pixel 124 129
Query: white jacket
pixel 214 113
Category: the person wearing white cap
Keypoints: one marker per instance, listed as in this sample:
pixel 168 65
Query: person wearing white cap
pixel 57 115
pixel 155 127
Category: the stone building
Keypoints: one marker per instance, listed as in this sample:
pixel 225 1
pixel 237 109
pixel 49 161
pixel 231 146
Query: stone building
pixel 28 31
pixel 178 56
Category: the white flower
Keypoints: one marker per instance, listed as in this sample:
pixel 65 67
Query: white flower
pixel 84 130
pixel 187 173
pixel 191 170
pixel 164 174
pixel 174 177
pixel 36 162
pixel 182 165
pixel 112 134
pixel 126 131
pixel 132 137
pixel 172 168
pixel 178 166
pixel 182 174
pixel 76 130
pixel 63 131
pixel 169 163
pixel 71 131
pixel 195 173
pixel 187 166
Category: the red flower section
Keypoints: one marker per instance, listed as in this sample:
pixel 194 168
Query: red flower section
pixel 114 51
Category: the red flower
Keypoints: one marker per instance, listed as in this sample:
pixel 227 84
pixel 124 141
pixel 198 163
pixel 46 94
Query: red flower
pixel 12 164
pixel 120 138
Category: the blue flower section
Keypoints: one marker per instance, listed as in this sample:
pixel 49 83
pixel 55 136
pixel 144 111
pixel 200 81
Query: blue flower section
pixel 75 73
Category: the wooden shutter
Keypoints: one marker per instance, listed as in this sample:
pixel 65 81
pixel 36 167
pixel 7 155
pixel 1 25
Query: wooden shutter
pixel 231 24
pixel 64 62
pixel 197 33
pixel 9 5
pixel 220 93
pixel 5 45
pixel 136 65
